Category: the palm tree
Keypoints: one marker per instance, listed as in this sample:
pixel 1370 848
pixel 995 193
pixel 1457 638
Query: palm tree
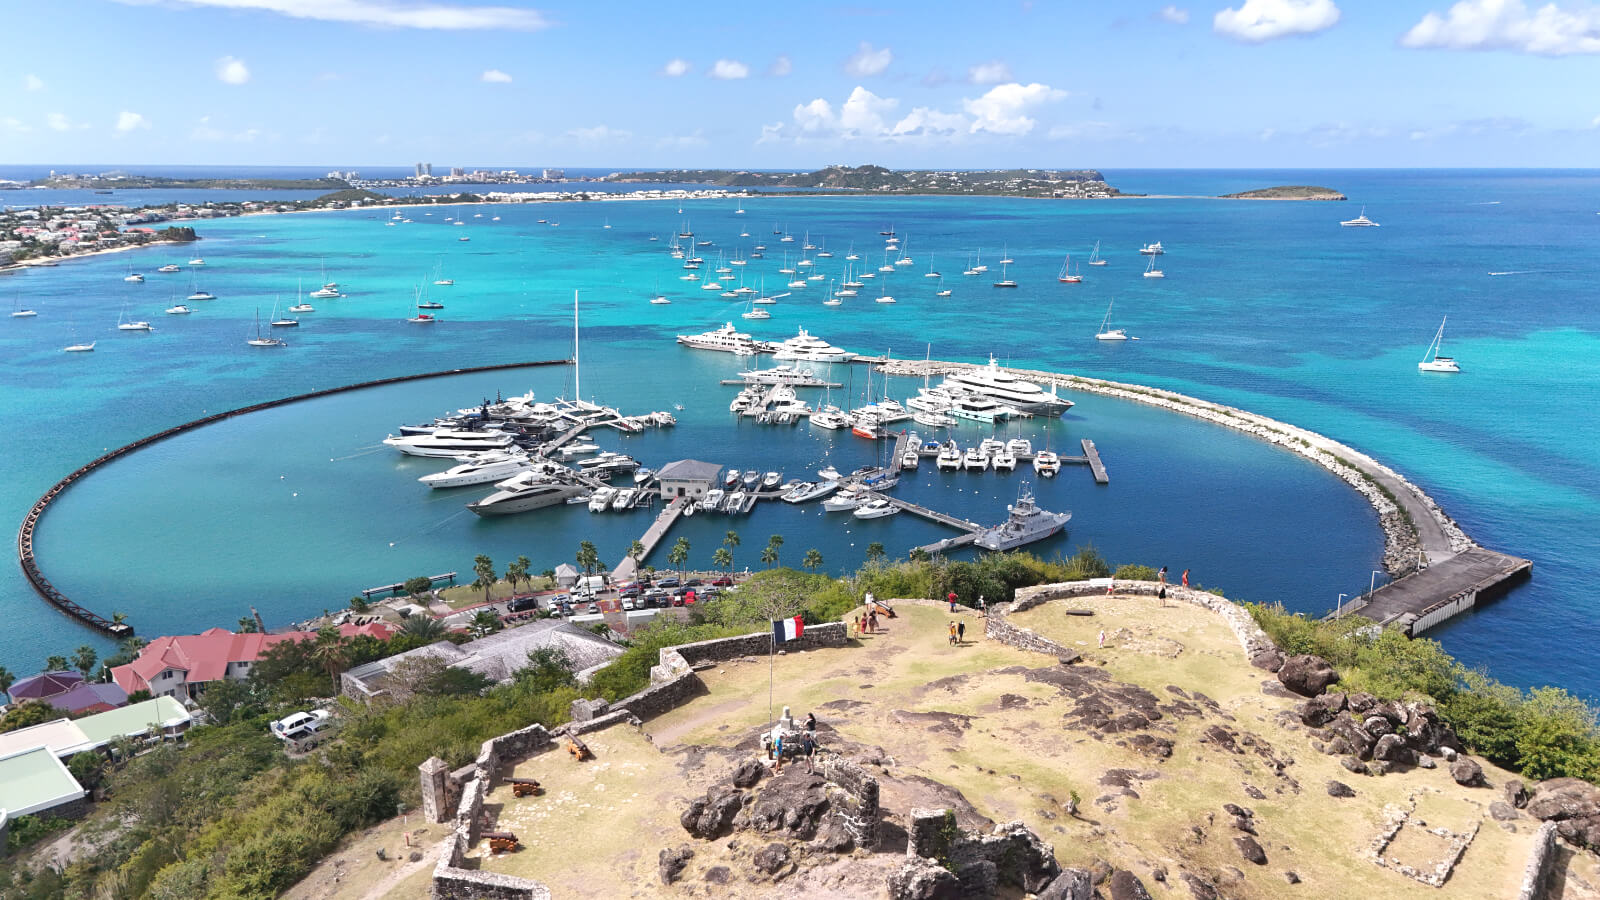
pixel 636 553
pixel 56 664
pixel 118 618
pixel 776 544
pixel 483 567
pixel 723 557
pixel 813 560
pixel 425 627
pixel 331 653
pixel 875 552
pixel 84 658
pixel 517 572
pixel 730 541
pixel 588 557
pixel 6 679
pixel 679 554
pixel 769 555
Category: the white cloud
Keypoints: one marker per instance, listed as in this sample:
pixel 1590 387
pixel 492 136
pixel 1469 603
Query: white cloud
pixel 232 71
pixel 437 16
pixel 925 122
pixel 11 123
pixel 129 121
pixel 729 70
pixel 600 134
pixel 1256 21
pixel 1000 111
pixel 32 82
pixel 781 66
pixel 494 76
pixel 863 112
pixel 58 122
pixel 989 73
pixel 1173 14
pixel 683 141
pixel 868 61
pixel 1509 25
pixel 675 68
pixel 814 116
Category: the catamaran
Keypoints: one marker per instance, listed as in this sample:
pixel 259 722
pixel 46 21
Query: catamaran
pixel 1431 360
pixel 1151 271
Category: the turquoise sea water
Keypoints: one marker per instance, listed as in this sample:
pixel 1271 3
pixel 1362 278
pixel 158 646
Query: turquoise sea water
pixel 1268 305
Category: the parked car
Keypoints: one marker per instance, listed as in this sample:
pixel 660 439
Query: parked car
pixel 724 581
pixel 307 737
pixel 288 724
pixel 628 605
pixel 693 582
pixel 632 590
pixel 522 604
pixel 667 583
pixel 592 608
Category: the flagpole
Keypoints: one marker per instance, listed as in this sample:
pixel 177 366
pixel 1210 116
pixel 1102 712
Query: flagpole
pixel 772 655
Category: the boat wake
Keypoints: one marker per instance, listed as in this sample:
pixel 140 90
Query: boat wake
pixel 1512 273
pixel 365 451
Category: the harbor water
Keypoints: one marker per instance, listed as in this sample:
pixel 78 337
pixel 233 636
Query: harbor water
pixel 1266 305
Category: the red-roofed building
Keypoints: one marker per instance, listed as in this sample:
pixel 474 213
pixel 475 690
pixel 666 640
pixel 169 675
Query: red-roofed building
pixel 181 665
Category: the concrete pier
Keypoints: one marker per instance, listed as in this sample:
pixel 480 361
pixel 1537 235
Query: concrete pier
pixel 628 568
pixel 1441 591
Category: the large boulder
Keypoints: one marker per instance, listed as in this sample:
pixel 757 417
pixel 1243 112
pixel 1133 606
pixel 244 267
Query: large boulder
pixel 709 816
pixel 1250 849
pixel 1392 748
pixel 1307 675
pixel 1071 884
pixel 748 773
pixel 1466 772
pixel 771 858
pixel 1125 885
pixel 1355 738
pixel 794 802
pixel 1564 798
pixel 920 878
pixel 670 863
pixel 1269 659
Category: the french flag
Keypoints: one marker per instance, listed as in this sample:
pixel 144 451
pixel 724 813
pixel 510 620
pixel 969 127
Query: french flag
pixel 787 629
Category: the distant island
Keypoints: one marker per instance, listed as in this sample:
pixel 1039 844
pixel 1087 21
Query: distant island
pixel 1288 192
pixel 115 181
pixel 1054 183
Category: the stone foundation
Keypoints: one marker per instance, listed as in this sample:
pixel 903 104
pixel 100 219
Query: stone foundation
pixel 833 634
pixel 859 810
pixel 1537 872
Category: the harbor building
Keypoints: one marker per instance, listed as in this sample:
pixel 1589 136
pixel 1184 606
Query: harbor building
pixel 689 478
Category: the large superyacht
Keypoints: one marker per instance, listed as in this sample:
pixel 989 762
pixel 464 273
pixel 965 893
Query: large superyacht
pixel 1001 386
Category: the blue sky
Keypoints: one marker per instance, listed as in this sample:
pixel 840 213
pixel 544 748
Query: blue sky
pixel 1246 83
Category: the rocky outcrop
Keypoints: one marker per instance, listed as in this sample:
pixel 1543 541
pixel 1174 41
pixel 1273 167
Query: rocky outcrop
pixel 1573 805
pixel 710 816
pixel 1340 789
pixel 1250 849
pixel 1009 855
pixel 793 802
pixel 919 878
pixel 1307 675
pixel 1071 884
pixel 670 863
pixel 1124 885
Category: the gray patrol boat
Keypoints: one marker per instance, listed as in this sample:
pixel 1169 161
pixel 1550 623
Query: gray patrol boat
pixel 1026 524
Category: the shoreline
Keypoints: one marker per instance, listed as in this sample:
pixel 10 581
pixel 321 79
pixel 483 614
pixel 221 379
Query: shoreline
pixel 1413 524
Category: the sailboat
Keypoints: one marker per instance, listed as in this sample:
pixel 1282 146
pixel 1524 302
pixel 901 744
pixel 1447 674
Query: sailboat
pixel 931 273
pixel 276 322
pixel 81 348
pixel 1066 276
pixel 1005 281
pixel 659 299
pixel 1151 271
pixel 739 211
pixel 1005 258
pixel 300 305
pixel 133 276
pixel 607 225
pixel 421 318
pixel 943 291
pixel 1107 333
pixel 178 309
pixel 131 326
pixel 1094 257
pixel 258 340
pixel 438 275
pixel 1431 360
pixel 17 310
pixel 833 298
pixel 755 312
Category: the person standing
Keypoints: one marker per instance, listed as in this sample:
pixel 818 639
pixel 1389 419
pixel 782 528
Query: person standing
pixel 952 599
pixel 777 745
pixel 1185 577
pixel 1102 640
pixel 1161 576
pixel 1111 585
pixel 872 621
pixel 952 632
pixel 961 632
pixel 811 723
pixel 983 608
pixel 808 746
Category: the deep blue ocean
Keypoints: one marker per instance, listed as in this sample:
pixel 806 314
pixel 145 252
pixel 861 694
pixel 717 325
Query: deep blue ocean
pixel 1267 305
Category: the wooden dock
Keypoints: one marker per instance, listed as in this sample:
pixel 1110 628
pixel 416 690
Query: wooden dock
pixel 1092 456
pixel 931 515
pixel 399 586
pixel 1441 591
pixel 628 568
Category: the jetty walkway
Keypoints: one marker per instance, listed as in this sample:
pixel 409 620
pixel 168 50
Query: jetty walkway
pixel 115 626
pixel 1440 571
pixel 629 567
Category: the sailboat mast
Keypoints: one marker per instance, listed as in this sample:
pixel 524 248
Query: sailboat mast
pixel 577 391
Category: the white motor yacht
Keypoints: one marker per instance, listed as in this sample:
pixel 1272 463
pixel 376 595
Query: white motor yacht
pixel 932 419
pixel 844 501
pixel 830 417
pixel 1152 249
pixel 446 442
pixel 910 459
pixel 735 502
pixel 978 409
pixel 169 268
pixel 527 491
pixel 711 500
pixel 876 508
pixel 601 499
pixel 727 339
pixel 829 474
pixel 810 490
pixel 134 277
pixel 624 499
pixel 197 261
pixel 997 384
pixel 81 348
pixel 580 448
pixel 771 480
pixel 487 467
pixel 806 347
